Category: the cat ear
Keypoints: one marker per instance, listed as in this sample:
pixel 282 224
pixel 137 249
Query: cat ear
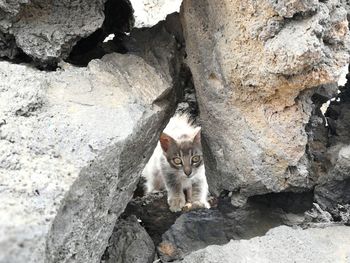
pixel 166 141
pixel 197 135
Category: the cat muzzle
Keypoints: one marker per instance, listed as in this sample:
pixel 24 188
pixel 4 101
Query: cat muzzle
pixel 188 171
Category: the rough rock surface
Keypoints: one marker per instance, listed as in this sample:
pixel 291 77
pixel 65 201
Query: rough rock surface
pixel 130 243
pixel 332 191
pixel 178 234
pixel 161 46
pixel 252 63
pixel 283 243
pixel 153 210
pixel 318 131
pixel 346 5
pixel 72 145
pixel 333 188
pixel 47 30
pixel 198 229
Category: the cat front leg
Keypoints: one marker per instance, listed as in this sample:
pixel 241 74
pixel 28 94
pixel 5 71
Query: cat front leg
pixel 176 201
pixel 188 194
pixel 188 197
pixel 200 194
pixel 176 196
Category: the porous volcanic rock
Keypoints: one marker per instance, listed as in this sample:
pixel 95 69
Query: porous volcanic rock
pixel 72 144
pixel 331 244
pixel 48 30
pixel 254 64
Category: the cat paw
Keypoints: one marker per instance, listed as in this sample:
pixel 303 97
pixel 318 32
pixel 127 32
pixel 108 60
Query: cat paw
pixel 200 204
pixel 187 207
pixel 176 204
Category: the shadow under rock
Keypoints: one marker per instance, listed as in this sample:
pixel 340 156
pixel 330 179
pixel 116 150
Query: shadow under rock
pixel 178 234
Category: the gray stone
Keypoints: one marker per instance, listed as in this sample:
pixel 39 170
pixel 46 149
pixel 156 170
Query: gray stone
pixel 163 46
pixel 178 234
pixel 329 151
pixel 333 188
pixel 289 8
pixel 346 4
pixel 282 244
pixel 72 144
pixel 160 45
pixel 254 93
pixel 318 131
pixel 344 213
pixel 130 243
pixel 198 229
pixel 317 215
pixel 48 30
pixel 154 212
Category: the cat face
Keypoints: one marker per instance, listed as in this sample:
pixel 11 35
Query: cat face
pixel 184 154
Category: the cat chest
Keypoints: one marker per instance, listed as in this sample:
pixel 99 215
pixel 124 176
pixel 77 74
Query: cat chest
pixel 186 183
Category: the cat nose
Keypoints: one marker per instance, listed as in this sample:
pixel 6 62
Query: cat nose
pixel 187 171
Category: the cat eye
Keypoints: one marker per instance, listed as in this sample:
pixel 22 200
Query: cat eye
pixel 177 161
pixel 196 159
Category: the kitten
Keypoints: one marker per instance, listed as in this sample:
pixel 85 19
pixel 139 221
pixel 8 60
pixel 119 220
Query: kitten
pixel 177 165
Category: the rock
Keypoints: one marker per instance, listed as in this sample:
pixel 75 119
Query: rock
pixel 115 25
pixel 289 8
pixel 130 243
pixel 253 69
pixel 338 114
pixel 161 46
pixel 193 231
pixel 317 216
pixel 72 144
pixel 346 5
pixel 333 188
pixel 318 131
pixel 178 234
pixel 48 30
pixel 150 12
pixel 153 210
pixel 344 213
pixel 282 244
pixel 329 152
pixel 198 229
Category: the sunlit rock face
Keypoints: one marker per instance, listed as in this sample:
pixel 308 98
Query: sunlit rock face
pixel 313 245
pixel 73 143
pixel 254 65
